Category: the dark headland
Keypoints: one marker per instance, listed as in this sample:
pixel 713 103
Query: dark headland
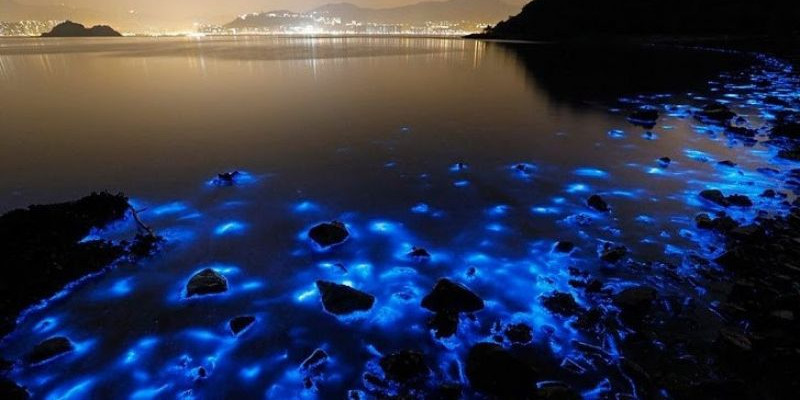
pixel 755 25
pixel 72 29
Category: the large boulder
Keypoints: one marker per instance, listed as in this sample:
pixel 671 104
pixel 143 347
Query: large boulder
pixel 343 300
pixel 448 296
pixel 49 349
pixel 206 282
pixel 494 371
pixel 329 234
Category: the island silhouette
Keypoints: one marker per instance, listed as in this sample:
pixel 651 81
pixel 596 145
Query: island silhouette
pixel 73 29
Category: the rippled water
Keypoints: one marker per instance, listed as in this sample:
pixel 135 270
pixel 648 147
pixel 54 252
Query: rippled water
pixel 365 131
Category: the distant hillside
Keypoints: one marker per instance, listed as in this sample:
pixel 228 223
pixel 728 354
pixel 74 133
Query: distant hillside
pixel 452 10
pixel 557 19
pixel 72 29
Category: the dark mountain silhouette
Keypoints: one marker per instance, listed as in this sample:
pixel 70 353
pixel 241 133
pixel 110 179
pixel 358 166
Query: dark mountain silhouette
pixel 72 29
pixel 452 10
pixel 560 19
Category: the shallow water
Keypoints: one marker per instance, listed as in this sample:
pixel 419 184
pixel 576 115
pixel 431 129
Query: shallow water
pixel 365 131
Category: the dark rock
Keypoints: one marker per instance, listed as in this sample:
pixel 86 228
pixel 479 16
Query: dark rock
pixel 715 196
pixel 664 162
pixel 790 154
pixel 145 245
pixel 522 168
pixel 564 247
pixel 315 360
pixel 790 130
pixel 11 391
pixel 445 323
pixel 716 113
pixel 635 302
pixel 613 254
pixel 519 333
pixel 448 296
pixel 49 349
pixel 206 282
pixel 71 29
pixel 769 193
pixel 239 324
pixel 227 178
pixel 404 366
pixel 494 371
pixel 447 392
pixel 42 248
pixel 740 131
pixel 722 223
pixel 596 202
pixel 738 200
pixel 419 253
pixel 562 304
pixel 329 234
pixel 645 117
pixel 343 300
pixel 727 163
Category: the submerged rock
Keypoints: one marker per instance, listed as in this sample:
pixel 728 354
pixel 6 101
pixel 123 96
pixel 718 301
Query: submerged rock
pixel 206 282
pixel 315 360
pixel 664 162
pixel 241 323
pixel 494 371
pixel 404 366
pixel 635 302
pixel 519 333
pixel 227 178
pixel 613 254
pixel 564 247
pixel 715 196
pixel 562 304
pixel 645 117
pixel 722 223
pixel 716 113
pixel 596 202
pixel 49 349
pixel 329 234
pixel 419 253
pixel 343 300
pixel 448 296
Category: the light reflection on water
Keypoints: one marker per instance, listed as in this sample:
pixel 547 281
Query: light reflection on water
pixel 364 131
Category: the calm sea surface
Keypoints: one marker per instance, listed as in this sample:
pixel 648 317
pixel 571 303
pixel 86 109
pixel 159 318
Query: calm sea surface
pixel 367 131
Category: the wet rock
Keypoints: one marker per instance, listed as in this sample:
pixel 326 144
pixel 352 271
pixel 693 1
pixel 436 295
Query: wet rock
pixel 635 302
pixel 42 247
pixel 564 247
pixel 241 323
pixel 448 296
pixel 445 324
pixel 664 162
pixel 522 168
pixel 145 245
pixel 716 113
pixel 519 333
pixel 419 253
pixel 738 200
pixel 727 163
pixel 769 193
pixel 317 358
pixel 49 349
pixel 597 203
pixel 329 234
pixel 613 254
pixel 405 366
pixel 343 300
pixel 722 223
pixel 227 178
pixel 790 130
pixel 206 282
pixel 448 392
pixel 494 371
pixel 714 196
pixel 792 154
pixel 562 304
pixel 11 391
pixel 740 131
pixel 645 117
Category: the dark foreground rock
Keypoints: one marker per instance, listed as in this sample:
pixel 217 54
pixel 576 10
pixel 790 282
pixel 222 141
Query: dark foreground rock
pixel 72 29
pixel 494 371
pixel 405 366
pixel 343 300
pixel 11 391
pixel 448 300
pixel 636 302
pixel 41 249
pixel 597 203
pixel 241 323
pixel 646 117
pixel 206 282
pixel 49 349
pixel 329 234
pixel 717 197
